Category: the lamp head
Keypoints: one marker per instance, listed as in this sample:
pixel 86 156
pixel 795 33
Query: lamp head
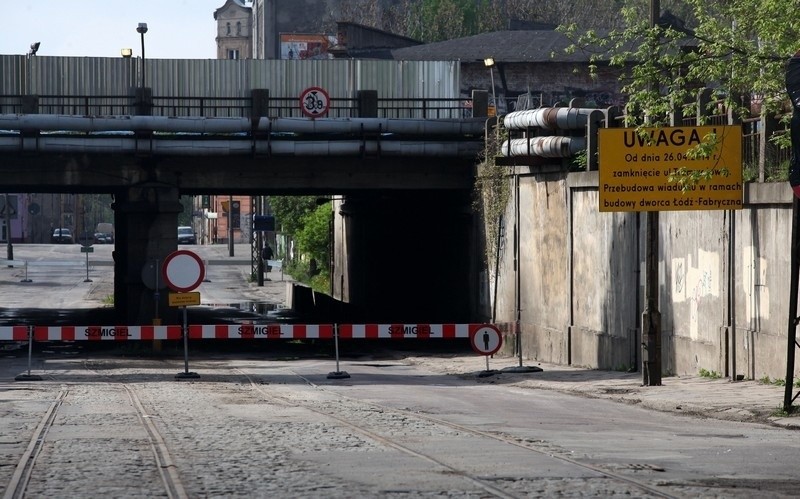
pixel 142 28
pixel 126 53
pixel 488 62
pixel 34 48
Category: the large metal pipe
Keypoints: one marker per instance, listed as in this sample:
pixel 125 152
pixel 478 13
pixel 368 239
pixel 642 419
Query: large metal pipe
pixel 122 123
pixel 225 147
pixel 551 146
pixel 188 124
pixel 563 118
pixel 472 126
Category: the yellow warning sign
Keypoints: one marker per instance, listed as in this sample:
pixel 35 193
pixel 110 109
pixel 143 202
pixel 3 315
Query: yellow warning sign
pixel 184 299
pixel 641 170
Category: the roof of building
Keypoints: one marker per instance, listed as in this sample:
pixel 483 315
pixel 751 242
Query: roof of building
pixel 503 46
pixel 229 3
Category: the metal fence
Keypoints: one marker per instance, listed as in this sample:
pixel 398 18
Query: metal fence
pixel 229 107
pixel 763 160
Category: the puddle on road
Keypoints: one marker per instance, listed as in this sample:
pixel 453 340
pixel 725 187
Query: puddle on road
pixel 271 311
pixel 248 306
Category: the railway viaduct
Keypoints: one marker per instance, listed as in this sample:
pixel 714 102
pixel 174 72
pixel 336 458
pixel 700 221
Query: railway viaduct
pixel 401 168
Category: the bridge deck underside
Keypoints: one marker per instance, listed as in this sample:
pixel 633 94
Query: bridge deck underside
pixel 25 172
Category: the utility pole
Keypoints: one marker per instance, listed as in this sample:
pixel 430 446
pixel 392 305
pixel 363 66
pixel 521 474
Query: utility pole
pixel 791 334
pixel 651 317
pixel 230 225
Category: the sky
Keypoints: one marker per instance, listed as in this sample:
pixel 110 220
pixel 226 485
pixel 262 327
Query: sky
pixel 177 29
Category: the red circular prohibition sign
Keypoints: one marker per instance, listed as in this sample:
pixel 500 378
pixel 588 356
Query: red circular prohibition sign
pixel 183 271
pixel 315 102
pixel 486 340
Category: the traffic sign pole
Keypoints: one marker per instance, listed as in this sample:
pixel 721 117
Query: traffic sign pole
pixel 183 271
pixel 87 266
pixel 651 317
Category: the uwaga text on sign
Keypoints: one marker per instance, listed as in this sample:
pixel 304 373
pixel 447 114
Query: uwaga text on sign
pixel 635 169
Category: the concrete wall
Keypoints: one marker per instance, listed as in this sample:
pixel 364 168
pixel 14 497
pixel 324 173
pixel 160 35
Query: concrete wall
pixel 579 290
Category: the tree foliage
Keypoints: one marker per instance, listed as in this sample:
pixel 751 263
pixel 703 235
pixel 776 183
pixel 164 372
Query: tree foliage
pixel 314 238
pixel 736 47
pixel 291 211
pixel 438 20
pixel 307 223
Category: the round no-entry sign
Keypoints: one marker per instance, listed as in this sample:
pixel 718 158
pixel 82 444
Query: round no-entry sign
pixel 486 340
pixel 183 271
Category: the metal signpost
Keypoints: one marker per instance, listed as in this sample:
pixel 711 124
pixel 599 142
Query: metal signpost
pixel 86 247
pixel 183 271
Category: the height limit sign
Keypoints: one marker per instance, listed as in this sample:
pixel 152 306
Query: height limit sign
pixel 640 170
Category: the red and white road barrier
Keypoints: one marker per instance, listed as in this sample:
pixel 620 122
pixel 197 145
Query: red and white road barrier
pixel 265 331
pixel 13 333
pixel 242 331
pixel 406 331
pixel 106 333
pixel 488 342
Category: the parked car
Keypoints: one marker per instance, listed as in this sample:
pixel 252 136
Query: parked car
pixel 102 238
pixel 61 236
pixel 186 235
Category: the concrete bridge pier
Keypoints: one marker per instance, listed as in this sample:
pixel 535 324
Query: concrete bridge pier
pixel 147 215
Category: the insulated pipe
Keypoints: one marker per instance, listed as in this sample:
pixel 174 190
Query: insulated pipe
pixel 186 124
pixel 69 123
pixel 210 147
pixel 554 146
pixel 373 125
pixel 564 118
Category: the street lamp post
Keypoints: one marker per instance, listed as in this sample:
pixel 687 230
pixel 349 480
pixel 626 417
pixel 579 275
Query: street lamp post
pixel 142 29
pixel 31 53
pixel 489 63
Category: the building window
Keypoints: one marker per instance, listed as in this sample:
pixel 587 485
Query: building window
pixel 233 54
pixel 238 28
pixel 228 29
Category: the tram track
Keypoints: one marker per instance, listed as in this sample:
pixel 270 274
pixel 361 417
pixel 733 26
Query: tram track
pixel 23 476
pixel 276 429
pixel 482 483
pixel 166 466
pixel 22 473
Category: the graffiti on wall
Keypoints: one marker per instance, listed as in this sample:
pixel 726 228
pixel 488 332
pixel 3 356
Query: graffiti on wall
pixel 593 98
pixel 519 101
pixel 692 283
